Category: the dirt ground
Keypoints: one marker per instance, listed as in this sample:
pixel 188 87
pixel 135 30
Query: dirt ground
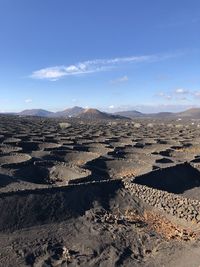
pixel 63 202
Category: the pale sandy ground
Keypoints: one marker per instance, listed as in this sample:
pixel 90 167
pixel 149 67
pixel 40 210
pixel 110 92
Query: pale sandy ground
pixel 189 257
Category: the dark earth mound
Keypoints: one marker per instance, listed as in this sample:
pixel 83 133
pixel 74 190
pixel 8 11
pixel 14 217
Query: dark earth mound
pixel 30 208
pixel 177 179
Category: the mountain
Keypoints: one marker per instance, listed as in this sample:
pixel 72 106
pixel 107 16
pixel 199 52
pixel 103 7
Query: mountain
pixel 193 113
pixel 130 114
pixel 190 113
pixel 69 112
pixel 95 114
pixel 36 112
pixel 160 115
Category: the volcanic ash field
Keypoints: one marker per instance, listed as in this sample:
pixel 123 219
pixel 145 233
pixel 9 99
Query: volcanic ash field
pixel 99 193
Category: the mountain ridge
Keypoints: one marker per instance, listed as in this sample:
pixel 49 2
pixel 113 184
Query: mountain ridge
pixel 79 112
pixel 93 114
pixel 36 112
pixel 69 112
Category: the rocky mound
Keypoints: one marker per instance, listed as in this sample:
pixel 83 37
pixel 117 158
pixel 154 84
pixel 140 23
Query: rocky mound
pixel 16 159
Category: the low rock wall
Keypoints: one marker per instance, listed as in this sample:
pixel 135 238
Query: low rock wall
pixel 173 204
pixel 176 205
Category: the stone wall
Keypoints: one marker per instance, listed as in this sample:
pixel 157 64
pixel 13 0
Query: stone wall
pixel 173 204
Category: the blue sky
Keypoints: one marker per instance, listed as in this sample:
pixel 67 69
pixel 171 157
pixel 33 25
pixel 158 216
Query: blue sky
pixel 106 54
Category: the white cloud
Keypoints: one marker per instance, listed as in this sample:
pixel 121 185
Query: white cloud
pixel 28 100
pixel 181 91
pixel 90 66
pixel 164 95
pixel 120 80
pixel 111 107
pixel 178 94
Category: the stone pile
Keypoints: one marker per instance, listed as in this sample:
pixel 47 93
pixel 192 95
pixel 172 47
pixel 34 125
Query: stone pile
pixel 173 204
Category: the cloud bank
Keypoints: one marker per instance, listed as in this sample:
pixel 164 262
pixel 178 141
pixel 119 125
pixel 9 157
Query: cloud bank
pixel 179 94
pixel 91 66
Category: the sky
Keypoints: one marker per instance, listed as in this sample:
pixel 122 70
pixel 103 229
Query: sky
pixel 109 54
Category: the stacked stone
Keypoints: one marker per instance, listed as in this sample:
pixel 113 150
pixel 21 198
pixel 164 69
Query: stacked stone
pixel 173 204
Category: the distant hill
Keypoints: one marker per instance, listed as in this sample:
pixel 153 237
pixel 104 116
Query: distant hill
pixel 130 114
pixel 95 114
pixel 161 115
pixel 193 113
pixel 69 112
pixel 92 114
pixel 190 113
pixel 136 114
pixel 36 112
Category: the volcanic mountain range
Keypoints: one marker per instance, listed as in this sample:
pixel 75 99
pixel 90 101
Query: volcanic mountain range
pixel 91 113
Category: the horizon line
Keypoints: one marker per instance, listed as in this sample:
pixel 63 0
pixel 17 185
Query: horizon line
pixel 109 110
